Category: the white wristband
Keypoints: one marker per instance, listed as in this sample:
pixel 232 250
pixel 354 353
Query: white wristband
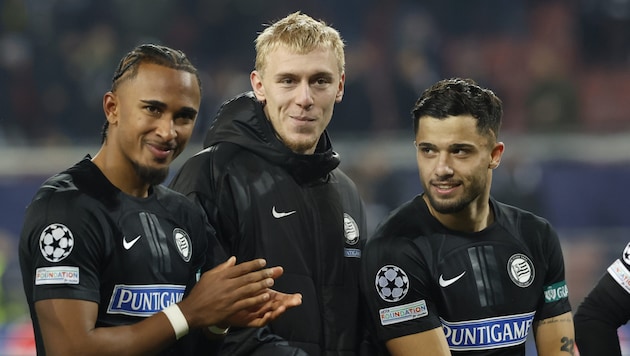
pixel 177 319
pixel 217 330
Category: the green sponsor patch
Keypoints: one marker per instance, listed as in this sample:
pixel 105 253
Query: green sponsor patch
pixel 556 292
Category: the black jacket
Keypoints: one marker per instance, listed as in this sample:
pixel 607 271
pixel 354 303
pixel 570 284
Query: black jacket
pixel 298 211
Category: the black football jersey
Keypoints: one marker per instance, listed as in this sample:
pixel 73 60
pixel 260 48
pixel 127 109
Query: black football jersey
pixel 85 239
pixel 484 289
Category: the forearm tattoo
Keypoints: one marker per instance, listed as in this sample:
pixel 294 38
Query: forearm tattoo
pixel 567 344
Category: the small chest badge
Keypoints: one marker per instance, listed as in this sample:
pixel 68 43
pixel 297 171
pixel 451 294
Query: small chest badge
pixel 183 244
pixel 350 229
pixel 521 270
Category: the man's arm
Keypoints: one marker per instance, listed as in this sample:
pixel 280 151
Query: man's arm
pixel 68 326
pixel 428 343
pixel 555 336
pixel 603 311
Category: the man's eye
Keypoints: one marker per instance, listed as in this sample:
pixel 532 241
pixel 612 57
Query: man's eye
pixel 185 117
pixel 152 109
pixel 323 81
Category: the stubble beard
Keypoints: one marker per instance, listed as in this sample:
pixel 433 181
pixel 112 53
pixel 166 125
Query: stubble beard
pixel 150 175
pixel 457 204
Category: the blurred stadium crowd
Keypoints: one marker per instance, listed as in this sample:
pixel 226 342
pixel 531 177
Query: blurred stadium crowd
pixel 560 66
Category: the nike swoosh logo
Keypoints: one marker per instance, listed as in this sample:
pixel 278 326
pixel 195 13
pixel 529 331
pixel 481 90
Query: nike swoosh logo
pixel 129 244
pixel 447 282
pixel 278 215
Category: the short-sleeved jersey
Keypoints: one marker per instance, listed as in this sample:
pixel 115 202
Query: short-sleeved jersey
pixel 484 289
pixel 604 310
pixel 84 239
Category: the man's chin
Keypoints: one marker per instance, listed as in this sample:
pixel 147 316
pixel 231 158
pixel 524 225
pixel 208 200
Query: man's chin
pixel 152 175
pixel 446 207
pixel 301 146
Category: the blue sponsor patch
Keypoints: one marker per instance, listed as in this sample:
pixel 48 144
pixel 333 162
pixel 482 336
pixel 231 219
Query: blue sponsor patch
pixel 144 300
pixel 352 252
pixel 491 333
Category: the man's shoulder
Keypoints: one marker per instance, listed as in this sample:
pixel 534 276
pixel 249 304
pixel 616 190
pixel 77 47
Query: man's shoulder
pixel 61 184
pixel 221 154
pixel 402 224
pixel 511 215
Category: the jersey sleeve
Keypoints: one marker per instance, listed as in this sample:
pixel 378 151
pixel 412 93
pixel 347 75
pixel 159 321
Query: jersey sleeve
pixel 604 310
pixel 396 283
pixel 555 298
pixel 64 247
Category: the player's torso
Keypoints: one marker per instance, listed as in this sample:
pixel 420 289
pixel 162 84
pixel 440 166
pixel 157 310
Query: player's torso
pixel 315 234
pixel 486 287
pixel 148 261
pixel 294 224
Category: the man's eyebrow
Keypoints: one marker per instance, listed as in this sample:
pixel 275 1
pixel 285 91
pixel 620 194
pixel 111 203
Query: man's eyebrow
pixel 188 110
pixel 319 74
pixel 184 110
pixel 461 145
pixel 155 103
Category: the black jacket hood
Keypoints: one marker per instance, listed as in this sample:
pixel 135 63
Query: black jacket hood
pixel 242 121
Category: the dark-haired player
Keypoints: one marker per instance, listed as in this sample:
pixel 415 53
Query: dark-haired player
pixel 454 271
pixel 109 257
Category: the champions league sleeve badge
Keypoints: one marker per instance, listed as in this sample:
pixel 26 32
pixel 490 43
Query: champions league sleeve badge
pixel 56 242
pixel 626 255
pixel 392 283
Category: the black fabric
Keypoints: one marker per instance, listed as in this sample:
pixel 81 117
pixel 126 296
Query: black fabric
pixel 120 244
pixel 604 310
pixel 298 211
pixel 419 275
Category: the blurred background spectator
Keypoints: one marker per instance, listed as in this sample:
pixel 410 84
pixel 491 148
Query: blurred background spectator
pixel 561 67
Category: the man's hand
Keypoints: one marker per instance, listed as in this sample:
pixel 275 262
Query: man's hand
pixel 264 313
pixel 229 289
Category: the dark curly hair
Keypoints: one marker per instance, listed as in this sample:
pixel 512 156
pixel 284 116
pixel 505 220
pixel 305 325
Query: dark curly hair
pixel 457 96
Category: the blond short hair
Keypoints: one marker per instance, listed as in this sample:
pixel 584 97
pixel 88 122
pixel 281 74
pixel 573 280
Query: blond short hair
pixel 301 34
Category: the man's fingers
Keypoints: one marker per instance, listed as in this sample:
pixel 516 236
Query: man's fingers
pixel 295 300
pixel 228 263
pixel 247 267
pixel 246 303
pixel 276 272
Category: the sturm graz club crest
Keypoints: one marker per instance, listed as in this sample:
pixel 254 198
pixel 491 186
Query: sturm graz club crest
pixel 521 270
pixel 182 242
pixel 350 229
pixel 392 283
pixel 56 242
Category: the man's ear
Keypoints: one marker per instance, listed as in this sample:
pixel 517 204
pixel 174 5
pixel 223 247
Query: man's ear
pixel 340 90
pixel 255 79
pixel 496 154
pixel 110 107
